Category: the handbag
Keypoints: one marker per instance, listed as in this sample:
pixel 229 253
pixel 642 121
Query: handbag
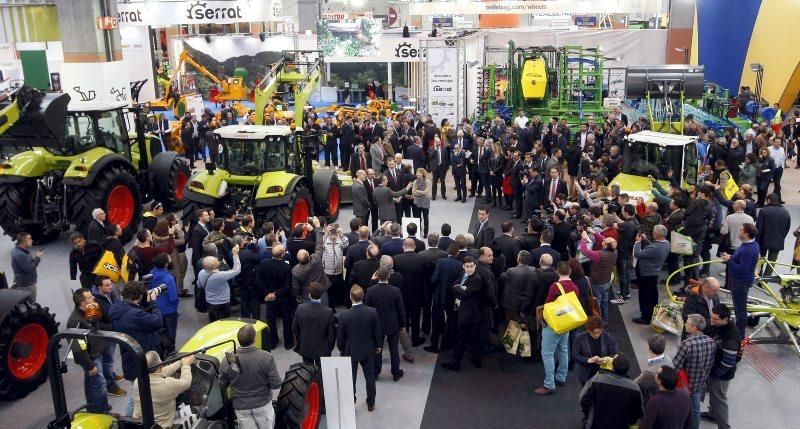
pixel 511 337
pixel 594 305
pixel 405 342
pixel 507 186
pixel 680 244
pixel 565 313
pixel 683 380
pixel 524 341
pixel 107 266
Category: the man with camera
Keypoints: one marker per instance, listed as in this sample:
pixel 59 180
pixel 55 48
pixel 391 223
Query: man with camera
pixel 138 316
pixel 167 300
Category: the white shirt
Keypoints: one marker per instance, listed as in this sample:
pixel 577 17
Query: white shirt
pixel 778 156
pixel 521 121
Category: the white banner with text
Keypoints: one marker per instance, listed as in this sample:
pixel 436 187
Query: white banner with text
pixel 157 13
pixel 535 7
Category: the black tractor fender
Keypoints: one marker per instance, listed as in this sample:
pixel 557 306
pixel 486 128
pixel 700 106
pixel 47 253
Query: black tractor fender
pixel 287 194
pixel 9 299
pixel 160 166
pixel 102 163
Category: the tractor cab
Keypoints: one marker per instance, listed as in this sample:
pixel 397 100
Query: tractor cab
pixel 85 130
pixel 249 150
pixel 654 154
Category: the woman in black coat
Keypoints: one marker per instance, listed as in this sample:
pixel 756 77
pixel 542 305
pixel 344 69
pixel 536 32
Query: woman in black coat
pixel 591 345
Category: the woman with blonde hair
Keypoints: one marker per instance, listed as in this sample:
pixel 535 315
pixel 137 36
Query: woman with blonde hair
pixel 421 191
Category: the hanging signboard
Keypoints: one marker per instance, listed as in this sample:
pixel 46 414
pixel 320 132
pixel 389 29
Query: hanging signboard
pixel 585 20
pixel 163 13
pixel 392 16
pixel 442 82
pixel 535 7
pixel 400 49
pixel 96 86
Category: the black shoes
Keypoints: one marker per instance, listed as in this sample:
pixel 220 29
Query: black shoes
pixel 561 383
pixel 397 376
pixel 451 366
pixel 431 349
pixel 705 415
pixel 640 321
pixel 416 342
pixel 476 363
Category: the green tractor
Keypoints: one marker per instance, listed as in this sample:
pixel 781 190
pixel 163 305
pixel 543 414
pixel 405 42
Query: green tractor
pixel 266 171
pixel 59 164
pixel 205 405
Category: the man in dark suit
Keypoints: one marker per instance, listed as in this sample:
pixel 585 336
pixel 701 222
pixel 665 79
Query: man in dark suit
pixel 97 227
pixel 365 268
pixel 370 183
pixel 411 230
pixel 346 142
pixel 274 284
pixel 514 283
pixel 483 155
pixel 544 248
pixel 534 191
pixel 415 153
pixel 507 245
pixel 199 233
pixel 459 163
pixel 469 292
pixel 445 240
pixel 388 301
pixel 447 272
pixel 412 267
pixel 488 299
pixel 359 160
pixel 396 182
pixel 356 251
pixel 562 230
pixel 526 137
pixel 313 327
pixel 360 338
pixel 535 296
pixel 515 173
pixel 431 255
pixel 395 245
pixel 384 198
pixel 438 163
pixel 483 229
pixel 773 224
pixel 553 186
pixel 361 199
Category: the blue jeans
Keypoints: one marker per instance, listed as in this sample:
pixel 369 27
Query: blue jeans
pixel 739 292
pixel 624 277
pixel 601 293
pixel 94 387
pixel 554 344
pixel 696 402
pixel 129 405
pixel 108 365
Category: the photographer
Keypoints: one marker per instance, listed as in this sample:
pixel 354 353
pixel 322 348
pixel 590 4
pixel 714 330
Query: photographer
pixel 168 299
pixel 164 388
pixel 138 316
pixel 86 315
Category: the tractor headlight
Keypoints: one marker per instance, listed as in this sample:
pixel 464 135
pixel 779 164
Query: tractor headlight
pixel 275 189
pixel 196 184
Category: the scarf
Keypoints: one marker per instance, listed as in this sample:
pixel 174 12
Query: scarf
pixel 421 184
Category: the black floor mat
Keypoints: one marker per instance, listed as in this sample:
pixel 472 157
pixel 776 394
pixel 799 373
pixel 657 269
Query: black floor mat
pixel 500 395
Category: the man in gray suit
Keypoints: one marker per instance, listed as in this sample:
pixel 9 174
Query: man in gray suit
pixel 360 197
pixel 384 199
pixel 651 258
pixel 377 155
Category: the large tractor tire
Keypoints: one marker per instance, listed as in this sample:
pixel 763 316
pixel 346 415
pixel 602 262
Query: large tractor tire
pixel 169 174
pixel 116 191
pixel 299 209
pixel 24 334
pixel 327 194
pixel 17 201
pixel 300 399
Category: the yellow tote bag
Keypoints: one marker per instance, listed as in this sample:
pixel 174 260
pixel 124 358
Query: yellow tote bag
pixel 124 273
pixel 730 188
pixel 107 266
pixel 565 313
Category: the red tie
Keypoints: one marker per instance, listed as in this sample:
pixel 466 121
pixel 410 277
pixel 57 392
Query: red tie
pixel 553 189
pixel 363 162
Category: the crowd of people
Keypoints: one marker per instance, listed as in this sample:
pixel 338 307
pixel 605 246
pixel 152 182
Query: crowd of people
pixel 578 235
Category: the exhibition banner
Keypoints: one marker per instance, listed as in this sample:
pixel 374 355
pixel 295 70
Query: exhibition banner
pixel 535 7
pixel 163 13
pixel 399 50
pixel 442 84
